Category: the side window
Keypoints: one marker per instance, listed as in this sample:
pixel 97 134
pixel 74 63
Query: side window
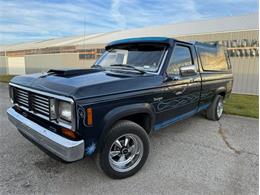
pixel 214 59
pixel 181 56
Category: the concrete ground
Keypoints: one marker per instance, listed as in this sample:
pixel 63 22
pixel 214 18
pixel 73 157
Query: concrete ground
pixel 196 156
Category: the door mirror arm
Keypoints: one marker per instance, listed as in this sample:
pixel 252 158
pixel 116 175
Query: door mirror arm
pixel 176 77
pixel 167 77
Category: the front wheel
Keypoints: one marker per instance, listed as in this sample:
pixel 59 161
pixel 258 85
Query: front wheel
pixel 125 150
pixel 216 108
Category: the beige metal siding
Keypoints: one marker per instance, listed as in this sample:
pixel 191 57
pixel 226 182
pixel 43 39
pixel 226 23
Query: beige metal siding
pixel 16 65
pixel 44 62
pixel 246 75
pixel 3 65
pixel 240 35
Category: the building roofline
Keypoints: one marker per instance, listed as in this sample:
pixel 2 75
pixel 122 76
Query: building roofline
pixel 228 24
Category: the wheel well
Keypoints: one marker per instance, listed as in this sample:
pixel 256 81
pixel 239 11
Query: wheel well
pixel 142 119
pixel 223 94
pixel 145 120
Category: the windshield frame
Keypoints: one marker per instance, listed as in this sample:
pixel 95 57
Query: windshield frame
pixel 161 61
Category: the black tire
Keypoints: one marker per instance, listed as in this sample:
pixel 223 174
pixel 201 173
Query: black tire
pixel 212 113
pixel 121 128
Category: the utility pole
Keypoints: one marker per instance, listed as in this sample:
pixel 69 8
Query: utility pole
pixel 85 47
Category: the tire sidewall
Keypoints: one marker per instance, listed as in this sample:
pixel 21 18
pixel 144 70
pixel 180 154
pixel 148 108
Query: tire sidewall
pixel 218 98
pixel 124 127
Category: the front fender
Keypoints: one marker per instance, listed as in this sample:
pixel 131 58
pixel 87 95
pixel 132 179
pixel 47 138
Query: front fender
pixel 121 112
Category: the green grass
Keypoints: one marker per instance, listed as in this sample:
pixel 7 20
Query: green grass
pixel 5 78
pixel 242 105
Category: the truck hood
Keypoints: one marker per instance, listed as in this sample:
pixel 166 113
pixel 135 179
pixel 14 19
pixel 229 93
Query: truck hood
pixel 89 84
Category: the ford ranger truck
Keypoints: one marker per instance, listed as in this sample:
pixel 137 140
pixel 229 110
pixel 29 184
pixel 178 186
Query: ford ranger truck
pixel 137 86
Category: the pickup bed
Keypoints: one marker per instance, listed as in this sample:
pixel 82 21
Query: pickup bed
pixel 137 86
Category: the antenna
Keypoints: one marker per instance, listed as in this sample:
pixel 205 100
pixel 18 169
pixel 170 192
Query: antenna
pixel 85 47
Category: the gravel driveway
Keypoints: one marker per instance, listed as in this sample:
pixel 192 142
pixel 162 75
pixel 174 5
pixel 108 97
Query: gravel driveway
pixel 196 156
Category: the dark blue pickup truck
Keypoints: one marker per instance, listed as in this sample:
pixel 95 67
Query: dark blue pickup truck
pixel 137 86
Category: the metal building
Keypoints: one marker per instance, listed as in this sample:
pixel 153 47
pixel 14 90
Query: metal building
pixel 238 33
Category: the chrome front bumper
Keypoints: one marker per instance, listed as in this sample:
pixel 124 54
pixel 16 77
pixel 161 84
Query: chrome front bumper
pixel 66 149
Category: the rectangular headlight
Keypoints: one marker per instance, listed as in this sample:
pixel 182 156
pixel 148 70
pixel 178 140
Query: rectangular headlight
pixel 65 110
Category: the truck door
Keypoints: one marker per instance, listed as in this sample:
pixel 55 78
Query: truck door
pixel 181 98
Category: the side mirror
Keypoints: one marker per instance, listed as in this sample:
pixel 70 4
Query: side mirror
pixel 188 70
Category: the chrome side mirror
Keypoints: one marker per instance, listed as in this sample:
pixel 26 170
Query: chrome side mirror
pixel 188 70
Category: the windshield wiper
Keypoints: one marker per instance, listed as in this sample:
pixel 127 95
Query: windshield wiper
pixel 98 66
pixel 129 66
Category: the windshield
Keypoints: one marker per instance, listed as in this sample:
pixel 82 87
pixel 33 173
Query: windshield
pixel 146 57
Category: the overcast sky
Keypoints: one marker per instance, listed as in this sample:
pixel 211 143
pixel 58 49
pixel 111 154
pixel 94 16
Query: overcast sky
pixel 27 20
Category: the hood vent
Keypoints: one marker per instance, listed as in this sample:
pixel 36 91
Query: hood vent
pixel 71 72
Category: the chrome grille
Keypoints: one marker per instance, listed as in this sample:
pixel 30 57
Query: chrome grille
pixel 32 101
pixel 40 104
pixel 22 97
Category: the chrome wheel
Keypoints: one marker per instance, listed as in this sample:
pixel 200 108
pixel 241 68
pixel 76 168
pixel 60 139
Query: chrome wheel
pixel 126 152
pixel 220 108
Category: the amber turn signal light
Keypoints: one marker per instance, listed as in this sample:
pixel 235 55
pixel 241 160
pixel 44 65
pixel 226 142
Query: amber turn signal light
pixel 89 116
pixel 68 133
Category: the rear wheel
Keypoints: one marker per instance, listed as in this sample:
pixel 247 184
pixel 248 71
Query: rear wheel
pixel 216 109
pixel 125 150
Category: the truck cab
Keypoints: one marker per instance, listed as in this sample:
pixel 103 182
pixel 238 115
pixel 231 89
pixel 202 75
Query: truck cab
pixel 137 86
